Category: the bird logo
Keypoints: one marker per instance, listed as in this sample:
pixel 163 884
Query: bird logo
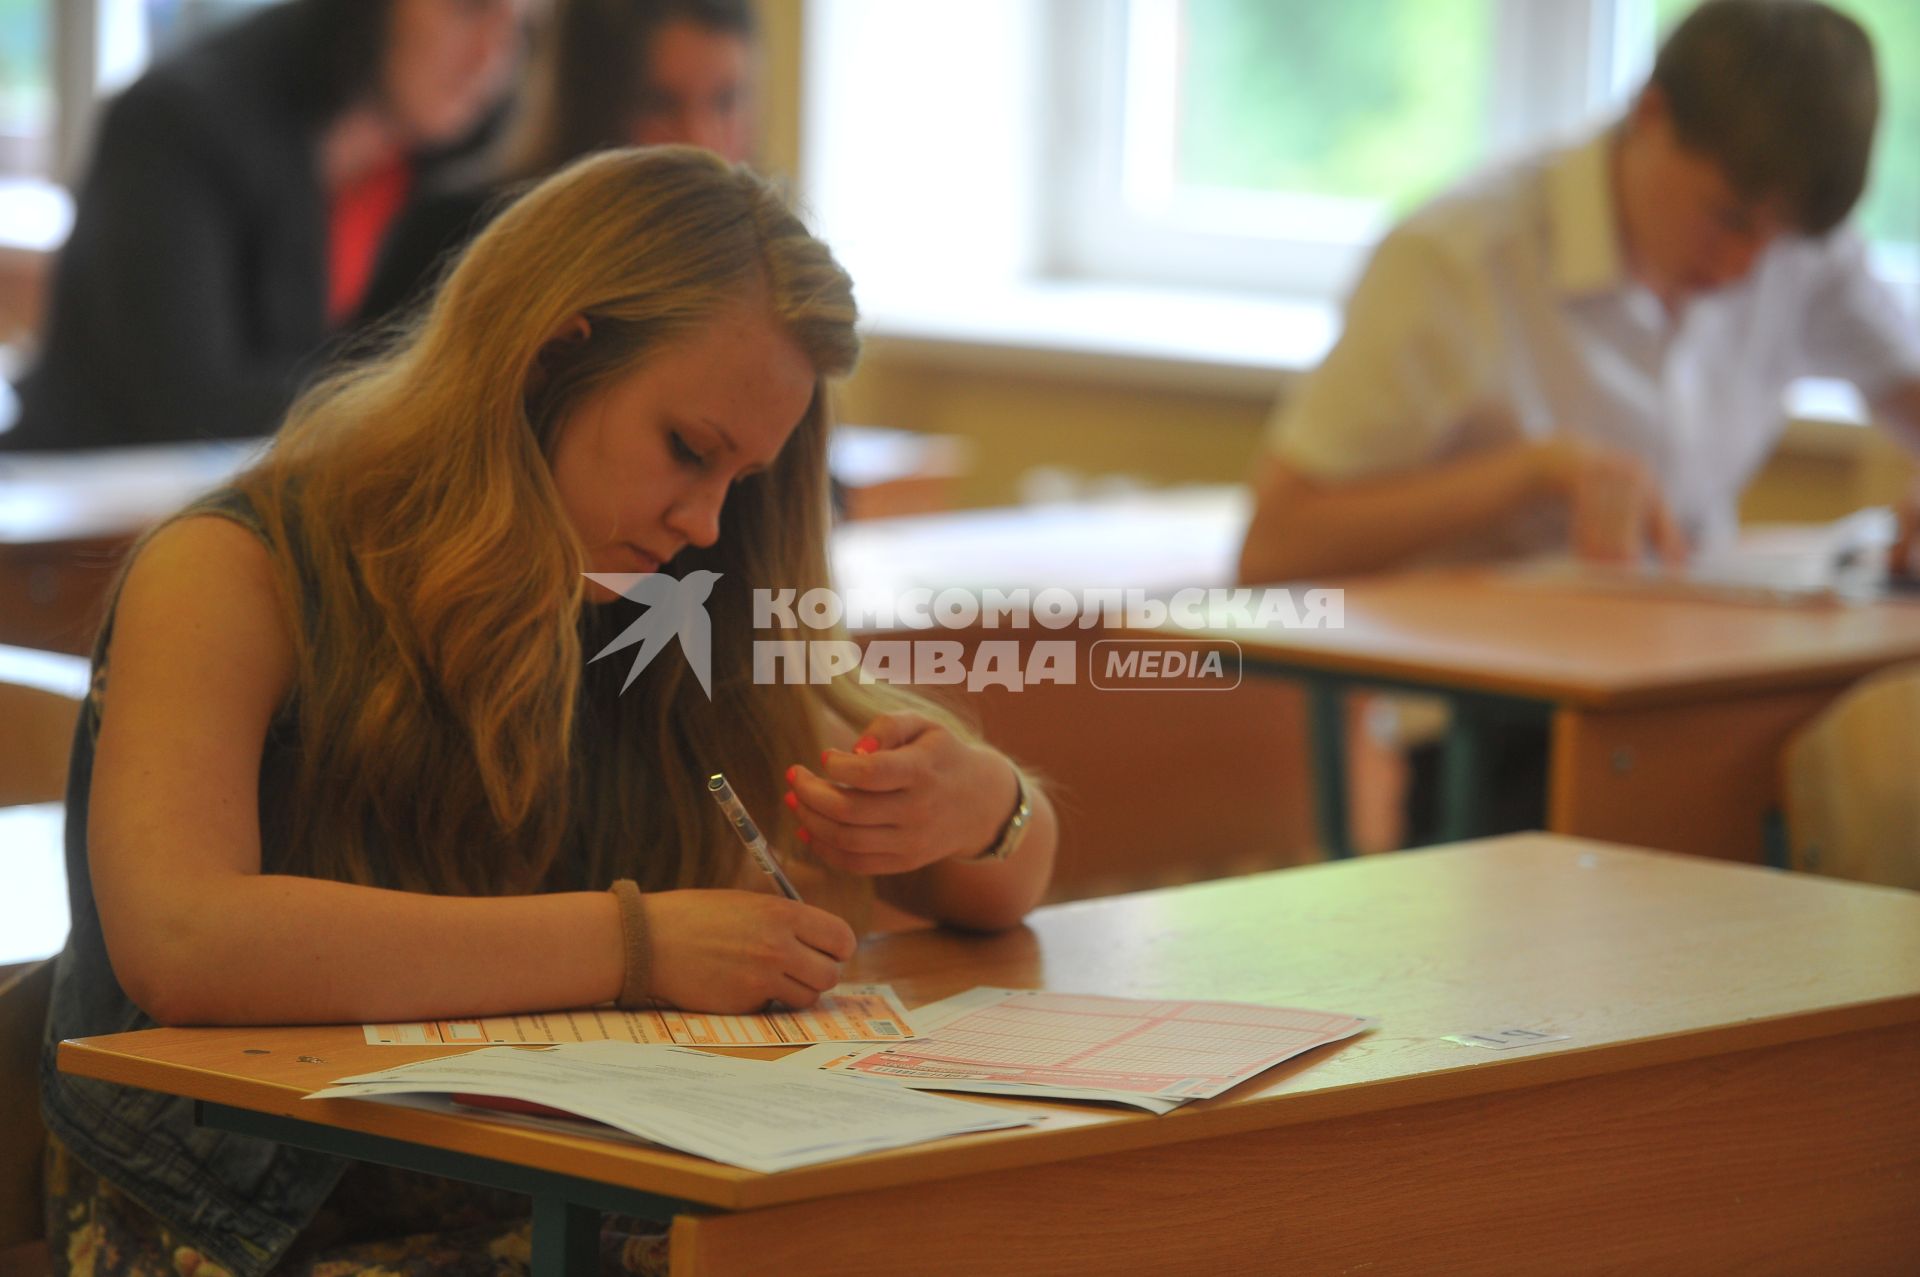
pixel 676 607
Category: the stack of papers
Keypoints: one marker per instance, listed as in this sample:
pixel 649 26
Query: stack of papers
pixel 1154 1055
pixel 847 1096
pixel 743 1112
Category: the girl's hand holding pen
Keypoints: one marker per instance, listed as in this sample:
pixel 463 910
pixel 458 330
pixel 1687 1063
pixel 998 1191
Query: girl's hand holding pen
pixel 908 794
pixel 735 951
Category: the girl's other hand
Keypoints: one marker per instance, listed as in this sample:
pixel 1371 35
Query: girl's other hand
pixel 908 794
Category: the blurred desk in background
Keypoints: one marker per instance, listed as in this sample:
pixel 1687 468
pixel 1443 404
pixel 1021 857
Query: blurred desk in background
pixel 1667 713
pixel 67 518
pixel 33 882
pixel 1157 540
pixel 884 473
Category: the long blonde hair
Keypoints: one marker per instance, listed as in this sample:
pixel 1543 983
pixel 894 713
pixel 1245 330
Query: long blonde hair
pixel 450 738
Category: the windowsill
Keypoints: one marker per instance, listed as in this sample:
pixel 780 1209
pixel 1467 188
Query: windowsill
pixel 1147 337
pixel 1235 345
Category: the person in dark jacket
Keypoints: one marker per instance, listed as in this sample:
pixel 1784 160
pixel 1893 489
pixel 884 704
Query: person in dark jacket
pixel 232 207
pixel 609 73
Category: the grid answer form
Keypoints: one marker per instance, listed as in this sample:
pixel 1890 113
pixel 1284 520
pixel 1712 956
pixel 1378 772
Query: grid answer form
pixel 845 1013
pixel 1167 1048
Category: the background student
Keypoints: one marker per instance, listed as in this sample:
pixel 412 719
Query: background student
pixel 345 759
pixel 232 206
pixel 1589 349
pixel 608 73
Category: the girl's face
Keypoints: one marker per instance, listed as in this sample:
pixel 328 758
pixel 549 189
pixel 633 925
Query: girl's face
pixel 447 62
pixel 644 464
pixel 695 91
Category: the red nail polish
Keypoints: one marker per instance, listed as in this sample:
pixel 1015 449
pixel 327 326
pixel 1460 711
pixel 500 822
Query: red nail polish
pixel 867 745
pixel 804 836
pixel 791 771
pixel 792 800
pixel 825 757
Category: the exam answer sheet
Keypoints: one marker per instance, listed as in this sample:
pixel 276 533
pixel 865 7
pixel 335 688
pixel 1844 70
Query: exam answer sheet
pixel 845 1013
pixel 1154 1054
pixel 747 1113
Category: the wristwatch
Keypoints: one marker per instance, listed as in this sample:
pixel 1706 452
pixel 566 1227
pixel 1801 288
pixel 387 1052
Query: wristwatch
pixel 1016 827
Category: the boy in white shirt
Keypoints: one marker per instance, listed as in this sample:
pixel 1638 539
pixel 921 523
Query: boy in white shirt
pixel 1588 350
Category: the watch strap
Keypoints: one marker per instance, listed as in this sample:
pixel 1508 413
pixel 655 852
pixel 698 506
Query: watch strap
pixel 1016 827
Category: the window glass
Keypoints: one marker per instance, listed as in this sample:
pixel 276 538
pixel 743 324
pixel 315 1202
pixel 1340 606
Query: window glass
pixel 26 84
pixel 1375 100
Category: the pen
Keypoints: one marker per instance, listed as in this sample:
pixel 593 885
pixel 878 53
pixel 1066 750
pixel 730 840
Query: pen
pixel 749 833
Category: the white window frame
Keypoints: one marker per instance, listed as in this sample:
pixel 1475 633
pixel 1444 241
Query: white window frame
pixel 1561 69
pixel 935 142
pixel 1038 174
pixel 944 149
pixel 914 194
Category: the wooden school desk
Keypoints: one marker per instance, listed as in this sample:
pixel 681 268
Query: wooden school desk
pixel 1667 714
pixel 1735 1091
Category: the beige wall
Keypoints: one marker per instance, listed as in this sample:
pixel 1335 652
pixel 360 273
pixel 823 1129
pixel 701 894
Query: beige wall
pixel 780 84
pixel 1072 420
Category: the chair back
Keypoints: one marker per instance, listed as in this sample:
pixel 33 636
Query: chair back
pixel 24 991
pixel 1852 784
pixel 38 709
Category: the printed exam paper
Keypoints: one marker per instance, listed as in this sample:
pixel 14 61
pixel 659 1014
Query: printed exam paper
pixel 1154 1054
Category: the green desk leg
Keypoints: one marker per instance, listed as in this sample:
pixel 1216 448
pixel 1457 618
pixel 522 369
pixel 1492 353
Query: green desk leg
pixel 566 1237
pixel 566 1208
pixel 1327 728
pixel 1776 851
pixel 1463 781
pixel 1463 756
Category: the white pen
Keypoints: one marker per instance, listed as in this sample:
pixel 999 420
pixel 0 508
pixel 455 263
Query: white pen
pixel 749 833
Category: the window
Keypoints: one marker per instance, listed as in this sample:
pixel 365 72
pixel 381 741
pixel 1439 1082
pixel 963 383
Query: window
pixel 959 155
pixel 26 86
pixel 1402 90
pixel 1252 144
pixel 1264 144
